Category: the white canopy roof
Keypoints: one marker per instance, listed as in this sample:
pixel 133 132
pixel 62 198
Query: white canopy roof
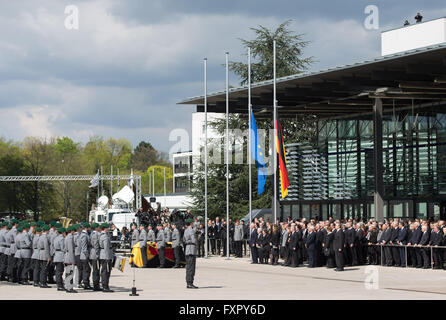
pixel 124 195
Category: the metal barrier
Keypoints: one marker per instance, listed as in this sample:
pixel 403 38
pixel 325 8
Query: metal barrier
pixel 382 245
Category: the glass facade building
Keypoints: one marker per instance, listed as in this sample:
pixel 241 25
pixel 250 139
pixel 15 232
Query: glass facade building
pixel 333 175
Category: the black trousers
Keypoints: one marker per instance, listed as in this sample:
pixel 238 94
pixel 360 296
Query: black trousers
pixel 238 249
pixel 144 256
pixel 3 265
pixel 254 255
pixel 105 272
pixel 438 258
pixel 43 272
pixel 388 255
pixel 12 268
pixel 396 255
pixel 25 266
pixel 310 257
pixel 19 269
pixel 161 256
pixel 36 270
pixel 190 268
pixel 339 258
pixel 95 274
pixel 51 271
pixel 59 272
pixel 177 255
pixel 218 245
pixel 86 269
pixel 77 262
pixel 294 257
pixel 419 254
pixel 212 242
pixel 354 255
pixel 426 257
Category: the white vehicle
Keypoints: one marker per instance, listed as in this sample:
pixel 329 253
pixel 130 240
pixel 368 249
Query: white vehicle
pixel 120 212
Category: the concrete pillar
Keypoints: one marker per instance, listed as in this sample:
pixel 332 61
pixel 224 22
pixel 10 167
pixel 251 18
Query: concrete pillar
pixel 378 159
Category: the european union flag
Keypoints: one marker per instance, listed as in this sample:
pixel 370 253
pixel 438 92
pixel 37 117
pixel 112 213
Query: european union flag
pixel 257 155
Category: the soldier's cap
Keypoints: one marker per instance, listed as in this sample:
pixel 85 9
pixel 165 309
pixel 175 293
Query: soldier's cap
pixel 190 220
pixel 70 228
pixel 40 223
pixel 20 229
pixel 52 223
pixel 86 225
pixel 58 225
pixel 143 225
pixel 14 221
pixel 104 225
pixel 60 230
pixel 45 227
pixel 9 226
pixel 94 225
pixel 38 229
pixel 4 224
pixel 33 223
pixel 160 224
pixel 76 226
pixel 26 226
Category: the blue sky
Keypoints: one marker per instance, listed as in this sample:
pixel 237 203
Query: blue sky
pixel 122 73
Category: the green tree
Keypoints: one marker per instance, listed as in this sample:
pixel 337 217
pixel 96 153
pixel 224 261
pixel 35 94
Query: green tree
pixel 289 61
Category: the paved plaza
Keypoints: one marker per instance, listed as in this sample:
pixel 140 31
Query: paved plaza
pixel 223 279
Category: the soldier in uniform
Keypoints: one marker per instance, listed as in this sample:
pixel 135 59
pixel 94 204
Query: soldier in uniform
pixel 35 257
pixel 10 242
pixel 77 256
pixel 69 260
pixel 176 245
pixel 58 259
pixel 85 247
pixel 17 255
pixel 44 256
pixel 160 244
pixel 3 257
pixel 135 235
pixel 150 234
pixel 52 235
pixel 25 244
pixel 167 233
pixel 142 237
pixel 105 257
pixel 94 256
pixel 190 242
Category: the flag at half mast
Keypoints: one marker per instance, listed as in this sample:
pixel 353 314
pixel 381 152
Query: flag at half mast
pixel 281 158
pixel 95 181
pixel 257 154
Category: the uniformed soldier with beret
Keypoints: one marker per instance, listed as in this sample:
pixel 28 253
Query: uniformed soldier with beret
pixel 160 244
pixel 176 240
pixel 190 242
pixel 105 257
pixel 85 247
pixel 51 236
pixel 135 235
pixel 10 242
pixel 17 255
pixel 44 256
pixel 25 244
pixel 142 237
pixel 35 257
pixel 59 255
pixel 77 256
pixel 3 257
pixel 150 234
pixel 94 255
pixel 69 260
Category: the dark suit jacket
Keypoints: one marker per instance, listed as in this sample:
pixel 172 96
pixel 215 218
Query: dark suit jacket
pixel 293 240
pixel 386 236
pixel 416 236
pixel 436 239
pixel 253 237
pixel 425 238
pixel 339 240
pixel 349 236
pixel 311 240
pixel 403 236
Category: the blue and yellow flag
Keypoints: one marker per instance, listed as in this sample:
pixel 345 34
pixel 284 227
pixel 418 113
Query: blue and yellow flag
pixel 257 155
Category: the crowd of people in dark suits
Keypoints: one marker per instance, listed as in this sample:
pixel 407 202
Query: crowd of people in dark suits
pixel 339 243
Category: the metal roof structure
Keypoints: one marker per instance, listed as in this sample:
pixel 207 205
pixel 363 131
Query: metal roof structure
pixel 401 80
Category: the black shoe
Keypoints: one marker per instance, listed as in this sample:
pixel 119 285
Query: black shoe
pixel 36 285
pixel 174 267
pixel 44 286
pixel 107 290
pixel 191 286
pixel 61 289
pixel 161 267
pixel 88 287
pixel 71 291
pixel 26 283
pixel 97 289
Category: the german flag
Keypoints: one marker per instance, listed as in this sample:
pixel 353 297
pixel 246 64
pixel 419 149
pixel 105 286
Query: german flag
pixel 281 157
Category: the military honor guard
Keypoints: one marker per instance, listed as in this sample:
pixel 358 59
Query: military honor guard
pixel 176 241
pixel 94 255
pixel 160 244
pixel 35 257
pixel 190 242
pixel 3 256
pixel 142 237
pixel 44 256
pixel 105 257
pixel 58 258
pixel 69 260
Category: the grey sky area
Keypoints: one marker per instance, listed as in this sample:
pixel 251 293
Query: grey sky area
pixel 122 72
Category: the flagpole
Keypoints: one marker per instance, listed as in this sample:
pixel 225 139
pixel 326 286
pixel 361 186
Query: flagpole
pixel 111 181
pixel 205 160
pixel 150 183
pixel 164 188
pixel 249 141
pixel 102 183
pixel 153 181
pixel 275 132
pixel 117 188
pixel 227 155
